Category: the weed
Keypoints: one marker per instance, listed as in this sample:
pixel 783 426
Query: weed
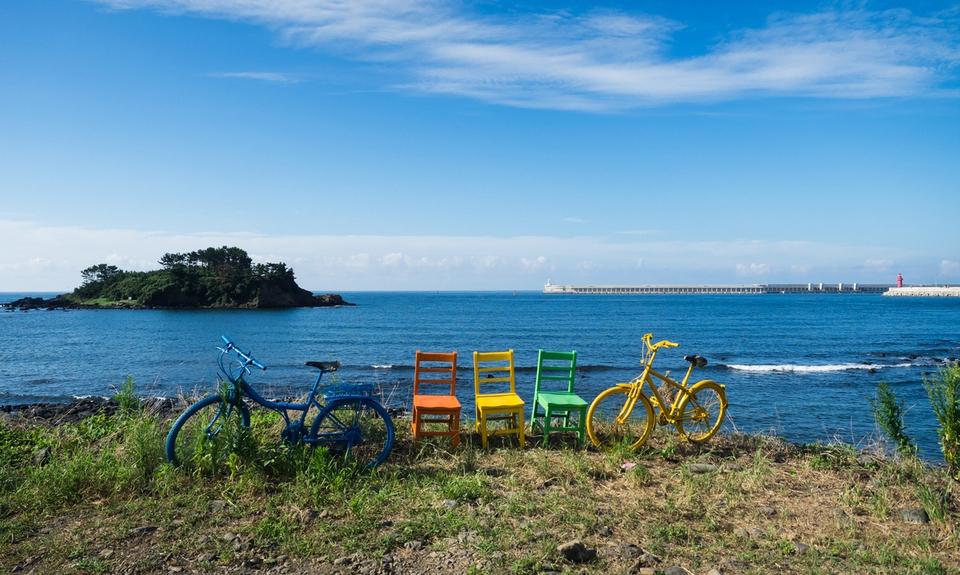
pixel 944 393
pixel 935 501
pixel 126 397
pixel 888 413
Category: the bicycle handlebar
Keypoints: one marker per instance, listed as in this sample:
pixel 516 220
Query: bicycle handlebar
pixel 648 337
pixel 247 357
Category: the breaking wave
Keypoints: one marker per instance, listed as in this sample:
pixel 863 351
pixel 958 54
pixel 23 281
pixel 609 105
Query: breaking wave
pixel 791 368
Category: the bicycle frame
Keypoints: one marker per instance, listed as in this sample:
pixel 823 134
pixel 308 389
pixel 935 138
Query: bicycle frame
pixel 638 382
pixel 245 389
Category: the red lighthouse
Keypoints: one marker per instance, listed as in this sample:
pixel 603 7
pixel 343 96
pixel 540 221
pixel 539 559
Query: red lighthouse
pixel 899 280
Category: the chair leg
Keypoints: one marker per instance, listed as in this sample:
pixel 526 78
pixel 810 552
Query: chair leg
pixel 482 424
pixel 521 427
pixel 414 423
pixel 455 430
pixel 547 425
pixel 581 426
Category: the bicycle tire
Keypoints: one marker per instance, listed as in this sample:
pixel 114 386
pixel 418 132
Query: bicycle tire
pixel 357 428
pixel 607 433
pixel 702 409
pixel 196 418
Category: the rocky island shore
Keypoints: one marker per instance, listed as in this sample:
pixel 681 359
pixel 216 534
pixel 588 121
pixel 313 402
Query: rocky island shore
pixel 212 278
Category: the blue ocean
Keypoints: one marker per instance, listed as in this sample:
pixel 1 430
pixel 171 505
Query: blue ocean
pixel 800 366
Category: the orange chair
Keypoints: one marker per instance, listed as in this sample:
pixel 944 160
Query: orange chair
pixel 427 406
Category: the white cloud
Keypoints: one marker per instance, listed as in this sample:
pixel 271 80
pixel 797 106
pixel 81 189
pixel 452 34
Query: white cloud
pixel 754 269
pixel 879 265
pixel 51 257
pixel 270 77
pixel 950 268
pixel 609 60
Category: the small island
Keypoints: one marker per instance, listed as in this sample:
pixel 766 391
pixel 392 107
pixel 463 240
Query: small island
pixel 211 278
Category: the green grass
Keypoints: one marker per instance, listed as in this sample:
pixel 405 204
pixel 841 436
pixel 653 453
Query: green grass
pixel 105 486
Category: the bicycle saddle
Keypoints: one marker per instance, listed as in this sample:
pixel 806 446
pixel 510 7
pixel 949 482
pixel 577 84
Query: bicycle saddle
pixel 325 365
pixel 696 360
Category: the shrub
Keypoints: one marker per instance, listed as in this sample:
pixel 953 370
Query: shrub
pixel 888 413
pixel 944 393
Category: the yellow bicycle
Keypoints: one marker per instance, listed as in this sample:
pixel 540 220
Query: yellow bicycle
pixel 697 411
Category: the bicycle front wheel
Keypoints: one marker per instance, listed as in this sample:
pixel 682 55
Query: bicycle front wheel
pixel 357 428
pixel 701 411
pixel 206 432
pixel 603 428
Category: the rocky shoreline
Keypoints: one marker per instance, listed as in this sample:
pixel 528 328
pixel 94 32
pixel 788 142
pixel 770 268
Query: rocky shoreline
pixel 58 413
pixel 62 302
pixel 53 413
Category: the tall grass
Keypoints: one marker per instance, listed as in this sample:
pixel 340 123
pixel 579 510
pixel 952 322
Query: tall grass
pixel 126 397
pixel 943 390
pixel 888 413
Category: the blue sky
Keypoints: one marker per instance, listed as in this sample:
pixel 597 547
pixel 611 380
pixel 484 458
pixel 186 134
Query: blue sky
pixel 452 145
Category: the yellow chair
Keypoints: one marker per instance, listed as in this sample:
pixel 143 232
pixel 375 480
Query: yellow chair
pixel 493 405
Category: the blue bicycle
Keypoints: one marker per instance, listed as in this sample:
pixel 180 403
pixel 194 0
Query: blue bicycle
pixel 349 422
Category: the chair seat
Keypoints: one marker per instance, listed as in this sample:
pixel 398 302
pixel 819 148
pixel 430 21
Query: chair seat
pixel 436 401
pixel 561 399
pixel 494 401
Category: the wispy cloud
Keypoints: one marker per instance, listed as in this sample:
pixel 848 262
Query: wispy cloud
pixel 611 60
pixel 271 77
pixel 53 256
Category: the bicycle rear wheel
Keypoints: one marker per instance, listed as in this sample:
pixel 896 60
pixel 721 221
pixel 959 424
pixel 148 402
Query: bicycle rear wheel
pixel 701 411
pixel 602 426
pixel 356 428
pixel 206 432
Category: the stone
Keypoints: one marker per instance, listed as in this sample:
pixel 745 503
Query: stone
pixel 699 468
pixel 340 561
pixel 106 553
pixel 576 552
pixel 767 511
pixel 801 548
pixel 866 460
pixel 228 537
pixel 748 532
pixel 915 515
pixel 604 531
pixel 41 456
pixel 627 466
pixel 645 560
pixel 218 505
pixel 676 570
pixel 142 530
pixel 621 551
pixel 448 504
pixel 414 545
pixel 713 571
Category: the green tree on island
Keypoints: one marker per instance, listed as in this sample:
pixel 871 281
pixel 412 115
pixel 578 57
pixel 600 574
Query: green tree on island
pixel 221 277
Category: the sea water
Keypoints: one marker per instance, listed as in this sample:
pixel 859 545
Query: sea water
pixel 800 366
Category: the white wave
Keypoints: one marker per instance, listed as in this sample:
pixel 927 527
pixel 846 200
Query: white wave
pixel 382 366
pixel 789 368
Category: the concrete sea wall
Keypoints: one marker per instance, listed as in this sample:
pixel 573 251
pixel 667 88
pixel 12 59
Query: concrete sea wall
pixel 924 291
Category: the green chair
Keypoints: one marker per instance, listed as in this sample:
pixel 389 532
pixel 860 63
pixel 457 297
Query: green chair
pixel 548 406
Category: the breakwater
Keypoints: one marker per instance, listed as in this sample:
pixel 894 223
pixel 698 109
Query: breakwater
pixel 924 291
pixel 813 288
